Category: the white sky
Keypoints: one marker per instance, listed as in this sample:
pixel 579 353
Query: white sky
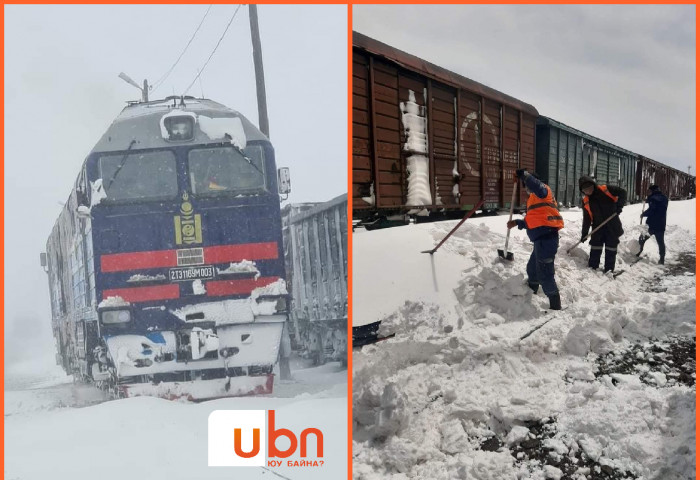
pixel 62 92
pixel 625 74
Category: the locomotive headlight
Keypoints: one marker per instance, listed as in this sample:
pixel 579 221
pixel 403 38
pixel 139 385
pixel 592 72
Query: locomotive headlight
pixel 228 351
pixel 110 317
pixel 177 128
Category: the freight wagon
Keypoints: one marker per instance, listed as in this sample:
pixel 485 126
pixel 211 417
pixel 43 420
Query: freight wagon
pixel 315 240
pixel 564 154
pixel 166 265
pixel 675 184
pixel 428 140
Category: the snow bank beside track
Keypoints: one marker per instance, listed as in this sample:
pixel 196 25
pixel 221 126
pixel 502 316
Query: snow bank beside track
pixel 456 378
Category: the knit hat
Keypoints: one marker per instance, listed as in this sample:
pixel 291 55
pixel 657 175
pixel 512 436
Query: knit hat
pixel 586 181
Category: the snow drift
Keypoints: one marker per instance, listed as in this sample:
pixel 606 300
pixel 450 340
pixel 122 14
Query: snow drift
pixel 457 394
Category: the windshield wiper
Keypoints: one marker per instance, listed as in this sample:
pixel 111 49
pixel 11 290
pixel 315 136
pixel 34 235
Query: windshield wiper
pixel 240 150
pixel 121 164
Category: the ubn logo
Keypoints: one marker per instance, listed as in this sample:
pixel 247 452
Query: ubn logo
pixel 237 438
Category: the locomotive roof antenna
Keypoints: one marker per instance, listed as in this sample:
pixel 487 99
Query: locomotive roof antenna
pixel 144 90
pixel 201 88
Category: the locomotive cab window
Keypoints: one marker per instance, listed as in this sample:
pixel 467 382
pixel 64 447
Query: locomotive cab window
pixel 227 170
pixel 139 176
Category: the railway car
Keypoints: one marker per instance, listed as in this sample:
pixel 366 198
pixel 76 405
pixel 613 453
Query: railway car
pixel 675 184
pixel 315 238
pixel 166 266
pixel 427 140
pixel 565 153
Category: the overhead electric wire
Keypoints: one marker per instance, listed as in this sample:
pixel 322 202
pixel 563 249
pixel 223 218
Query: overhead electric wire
pixel 160 81
pixel 213 51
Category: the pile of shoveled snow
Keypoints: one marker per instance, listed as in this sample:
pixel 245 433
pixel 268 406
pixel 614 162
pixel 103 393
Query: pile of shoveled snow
pixel 457 394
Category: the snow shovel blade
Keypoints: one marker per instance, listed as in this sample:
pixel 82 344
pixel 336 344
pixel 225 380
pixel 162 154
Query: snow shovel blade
pixel 505 255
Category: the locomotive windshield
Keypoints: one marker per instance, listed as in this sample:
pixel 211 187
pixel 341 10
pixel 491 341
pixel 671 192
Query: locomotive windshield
pixel 226 170
pixel 139 176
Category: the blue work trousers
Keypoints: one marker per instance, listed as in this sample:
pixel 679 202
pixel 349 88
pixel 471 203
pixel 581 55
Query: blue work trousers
pixel 540 267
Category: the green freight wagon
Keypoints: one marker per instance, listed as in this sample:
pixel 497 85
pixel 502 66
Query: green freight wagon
pixel 564 153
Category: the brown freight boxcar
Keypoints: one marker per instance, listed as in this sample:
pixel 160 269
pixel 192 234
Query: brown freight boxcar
pixel 673 183
pixel 427 140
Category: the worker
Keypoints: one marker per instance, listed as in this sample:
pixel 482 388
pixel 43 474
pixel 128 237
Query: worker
pixel 543 222
pixel 656 220
pixel 600 203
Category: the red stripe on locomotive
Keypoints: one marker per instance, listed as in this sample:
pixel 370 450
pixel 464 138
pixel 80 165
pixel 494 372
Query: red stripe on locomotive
pixel 144 294
pixel 119 262
pixel 236 253
pixel 217 288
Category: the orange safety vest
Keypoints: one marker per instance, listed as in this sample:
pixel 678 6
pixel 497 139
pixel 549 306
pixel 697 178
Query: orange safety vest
pixel 543 212
pixel 586 200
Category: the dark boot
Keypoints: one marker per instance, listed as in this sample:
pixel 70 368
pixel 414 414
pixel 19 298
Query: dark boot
pixel 661 261
pixel 554 302
pixel 535 287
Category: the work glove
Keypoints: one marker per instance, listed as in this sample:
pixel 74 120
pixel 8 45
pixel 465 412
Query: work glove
pixel 619 210
pixel 512 224
pixel 583 238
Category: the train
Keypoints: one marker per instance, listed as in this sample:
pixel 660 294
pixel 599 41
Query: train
pixel 565 153
pixel 430 143
pixel 315 243
pixel 166 266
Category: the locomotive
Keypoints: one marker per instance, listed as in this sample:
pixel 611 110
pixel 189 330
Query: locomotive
pixel 166 265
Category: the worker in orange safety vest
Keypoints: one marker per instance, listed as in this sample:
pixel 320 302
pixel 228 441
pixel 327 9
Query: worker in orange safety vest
pixel 543 222
pixel 599 203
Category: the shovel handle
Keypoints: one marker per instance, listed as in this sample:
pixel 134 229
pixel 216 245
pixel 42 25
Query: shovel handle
pixel 640 217
pixel 594 230
pixel 469 214
pixel 512 204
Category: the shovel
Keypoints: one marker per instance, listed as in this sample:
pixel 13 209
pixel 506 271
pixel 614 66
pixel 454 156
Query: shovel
pixel 594 230
pixel 642 238
pixel 505 254
pixel 469 214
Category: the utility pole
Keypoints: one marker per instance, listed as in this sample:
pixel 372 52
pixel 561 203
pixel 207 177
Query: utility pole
pixel 259 74
pixel 145 90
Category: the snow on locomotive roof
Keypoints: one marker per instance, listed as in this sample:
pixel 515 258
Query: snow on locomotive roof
pixel 141 122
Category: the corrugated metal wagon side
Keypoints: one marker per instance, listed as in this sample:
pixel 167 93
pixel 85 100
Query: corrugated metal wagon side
pixel 564 154
pixel 427 140
pixel 315 237
pixel 674 183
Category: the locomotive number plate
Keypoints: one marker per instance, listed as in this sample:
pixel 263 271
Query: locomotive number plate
pixel 191 273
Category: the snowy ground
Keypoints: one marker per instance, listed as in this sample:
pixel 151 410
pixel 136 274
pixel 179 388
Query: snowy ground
pixel 605 389
pixel 56 429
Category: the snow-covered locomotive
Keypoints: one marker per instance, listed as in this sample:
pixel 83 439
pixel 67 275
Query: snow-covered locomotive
pixel 166 266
